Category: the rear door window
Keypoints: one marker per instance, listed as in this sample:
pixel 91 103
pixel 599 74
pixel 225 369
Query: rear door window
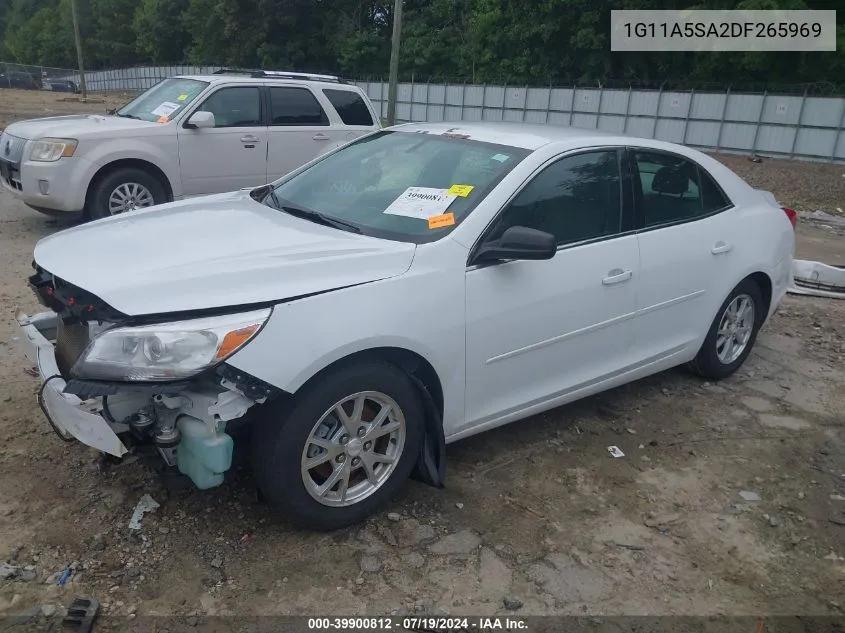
pixel 674 189
pixel 350 106
pixel 295 107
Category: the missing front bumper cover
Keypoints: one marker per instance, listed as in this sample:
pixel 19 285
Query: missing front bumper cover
pixel 67 414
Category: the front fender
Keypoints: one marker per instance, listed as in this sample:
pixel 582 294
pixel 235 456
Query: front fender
pixel 163 155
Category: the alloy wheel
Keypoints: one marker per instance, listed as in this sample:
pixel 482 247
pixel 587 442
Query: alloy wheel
pixel 353 449
pixel 128 197
pixel 735 328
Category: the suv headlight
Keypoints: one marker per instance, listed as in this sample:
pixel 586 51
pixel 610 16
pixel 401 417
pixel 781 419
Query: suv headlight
pixel 167 351
pixel 49 150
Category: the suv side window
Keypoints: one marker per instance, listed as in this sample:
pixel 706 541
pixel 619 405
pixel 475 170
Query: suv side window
pixel 295 106
pixel 576 198
pixel 350 106
pixel 235 107
pixel 673 189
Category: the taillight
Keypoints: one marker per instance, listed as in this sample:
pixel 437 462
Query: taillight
pixel 793 217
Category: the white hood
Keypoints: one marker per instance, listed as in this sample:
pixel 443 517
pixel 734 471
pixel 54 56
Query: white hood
pixel 78 126
pixel 215 251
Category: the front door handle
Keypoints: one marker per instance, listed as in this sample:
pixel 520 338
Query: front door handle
pixel 249 138
pixel 721 247
pixel 617 276
pixel 320 137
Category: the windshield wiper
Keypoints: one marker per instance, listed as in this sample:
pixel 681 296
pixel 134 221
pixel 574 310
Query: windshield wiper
pixel 310 214
pixel 128 116
pixel 316 216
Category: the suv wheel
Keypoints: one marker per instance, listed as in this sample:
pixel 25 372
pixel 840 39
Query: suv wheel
pixel 125 189
pixel 340 449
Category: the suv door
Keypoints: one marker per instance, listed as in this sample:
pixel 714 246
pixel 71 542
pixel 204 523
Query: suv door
pixel 300 129
pixel 537 331
pixel 686 239
pixel 232 154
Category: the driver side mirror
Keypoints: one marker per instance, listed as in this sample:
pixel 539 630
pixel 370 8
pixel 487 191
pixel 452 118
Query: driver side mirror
pixel 517 242
pixel 200 119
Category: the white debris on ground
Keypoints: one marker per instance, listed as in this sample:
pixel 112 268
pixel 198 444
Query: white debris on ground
pixel 145 505
pixel 817 279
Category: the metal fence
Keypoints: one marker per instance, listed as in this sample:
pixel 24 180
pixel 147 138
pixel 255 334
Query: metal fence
pixel 802 126
pixel 786 126
pixel 120 80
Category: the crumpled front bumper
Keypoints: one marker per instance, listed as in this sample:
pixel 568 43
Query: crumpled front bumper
pixel 69 416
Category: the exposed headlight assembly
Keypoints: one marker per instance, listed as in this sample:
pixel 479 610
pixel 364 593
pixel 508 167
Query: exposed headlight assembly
pixel 167 351
pixel 49 150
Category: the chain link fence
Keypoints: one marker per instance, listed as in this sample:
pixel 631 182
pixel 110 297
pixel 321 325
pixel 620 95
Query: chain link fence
pixel 30 77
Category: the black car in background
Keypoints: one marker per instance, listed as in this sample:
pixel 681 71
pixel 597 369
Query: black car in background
pixel 59 85
pixel 18 79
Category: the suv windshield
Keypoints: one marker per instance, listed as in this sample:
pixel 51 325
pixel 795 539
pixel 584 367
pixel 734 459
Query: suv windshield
pixel 407 186
pixel 164 100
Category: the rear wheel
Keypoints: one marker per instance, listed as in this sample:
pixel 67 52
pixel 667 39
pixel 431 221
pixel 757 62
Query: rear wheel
pixel 732 333
pixel 341 449
pixel 124 189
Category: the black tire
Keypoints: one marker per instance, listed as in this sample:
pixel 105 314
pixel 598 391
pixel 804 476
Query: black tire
pixel 98 198
pixel 280 437
pixel 707 363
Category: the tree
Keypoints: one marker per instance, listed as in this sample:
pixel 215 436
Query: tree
pixel 160 32
pixel 492 41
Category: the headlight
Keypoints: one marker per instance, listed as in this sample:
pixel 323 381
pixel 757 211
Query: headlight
pixel 169 351
pixel 49 150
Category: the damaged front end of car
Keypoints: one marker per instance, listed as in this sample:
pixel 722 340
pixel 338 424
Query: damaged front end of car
pixel 117 383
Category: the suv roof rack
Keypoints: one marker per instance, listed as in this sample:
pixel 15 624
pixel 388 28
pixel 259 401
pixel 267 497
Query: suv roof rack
pixel 277 74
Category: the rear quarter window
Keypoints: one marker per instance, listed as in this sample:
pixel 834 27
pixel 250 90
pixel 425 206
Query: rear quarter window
pixel 350 107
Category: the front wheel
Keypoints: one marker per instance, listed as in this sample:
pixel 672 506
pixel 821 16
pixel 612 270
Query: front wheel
pixel 342 448
pixel 122 190
pixel 732 333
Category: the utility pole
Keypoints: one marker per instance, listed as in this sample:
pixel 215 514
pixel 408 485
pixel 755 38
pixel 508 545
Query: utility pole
pixel 76 37
pixel 394 62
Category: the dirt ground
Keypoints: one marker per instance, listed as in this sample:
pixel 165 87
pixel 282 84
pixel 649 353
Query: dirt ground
pixel 537 518
pixel 16 105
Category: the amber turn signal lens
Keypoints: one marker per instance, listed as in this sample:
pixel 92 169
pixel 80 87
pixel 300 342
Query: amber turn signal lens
pixel 234 339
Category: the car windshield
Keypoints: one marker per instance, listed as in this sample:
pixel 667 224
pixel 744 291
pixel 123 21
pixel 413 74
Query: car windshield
pixel 164 100
pixel 406 186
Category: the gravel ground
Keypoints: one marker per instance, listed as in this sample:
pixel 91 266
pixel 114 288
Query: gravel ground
pixel 730 498
pixel 800 185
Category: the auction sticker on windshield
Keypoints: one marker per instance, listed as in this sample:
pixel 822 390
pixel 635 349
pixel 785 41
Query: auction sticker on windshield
pixel 421 202
pixel 461 190
pixel 439 221
pixel 166 108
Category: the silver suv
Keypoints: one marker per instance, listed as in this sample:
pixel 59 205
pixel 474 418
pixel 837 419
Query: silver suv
pixel 187 135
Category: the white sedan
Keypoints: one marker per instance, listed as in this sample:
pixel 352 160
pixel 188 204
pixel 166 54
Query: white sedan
pixel 415 287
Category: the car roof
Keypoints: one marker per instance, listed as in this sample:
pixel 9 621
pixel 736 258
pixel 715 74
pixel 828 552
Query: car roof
pixel 246 79
pixel 523 135
pixel 532 136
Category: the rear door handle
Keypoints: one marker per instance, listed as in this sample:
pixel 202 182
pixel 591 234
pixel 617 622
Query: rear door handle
pixel 320 137
pixel 249 138
pixel 721 247
pixel 617 276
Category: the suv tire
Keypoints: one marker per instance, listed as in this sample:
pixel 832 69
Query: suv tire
pixel 134 187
